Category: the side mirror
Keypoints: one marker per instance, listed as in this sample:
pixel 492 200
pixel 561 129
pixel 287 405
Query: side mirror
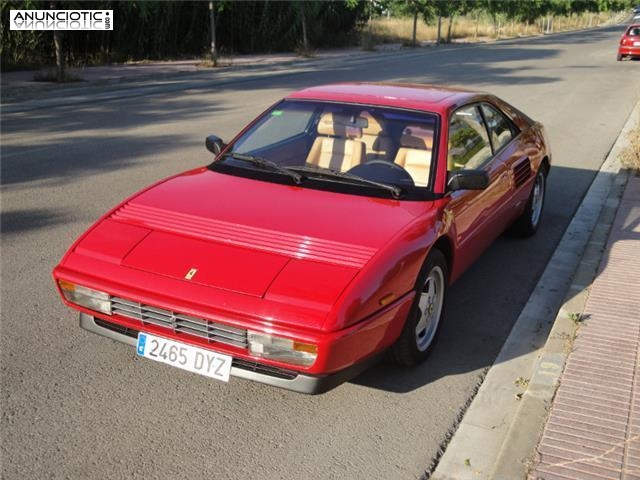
pixel 467 180
pixel 214 144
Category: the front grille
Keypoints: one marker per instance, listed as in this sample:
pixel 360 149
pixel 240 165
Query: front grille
pixel 521 172
pixel 236 362
pixel 180 323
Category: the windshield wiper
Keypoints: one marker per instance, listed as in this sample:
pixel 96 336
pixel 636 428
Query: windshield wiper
pixel 395 191
pixel 265 163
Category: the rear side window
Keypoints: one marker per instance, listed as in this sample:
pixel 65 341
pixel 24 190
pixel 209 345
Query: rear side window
pixel 499 126
pixel 469 145
pixel 634 32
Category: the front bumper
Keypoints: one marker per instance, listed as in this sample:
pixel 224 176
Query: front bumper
pixel 277 377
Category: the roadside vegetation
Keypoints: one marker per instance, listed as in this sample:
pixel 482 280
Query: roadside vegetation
pixel 165 30
pixel 414 22
pixel 631 156
pixel 479 26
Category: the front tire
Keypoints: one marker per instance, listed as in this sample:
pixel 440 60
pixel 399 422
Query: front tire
pixel 421 328
pixel 527 224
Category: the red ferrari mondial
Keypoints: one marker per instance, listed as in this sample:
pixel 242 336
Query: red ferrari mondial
pixel 630 42
pixel 325 234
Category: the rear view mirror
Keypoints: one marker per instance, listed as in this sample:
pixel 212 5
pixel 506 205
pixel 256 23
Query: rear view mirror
pixel 214 144
pixel 467 180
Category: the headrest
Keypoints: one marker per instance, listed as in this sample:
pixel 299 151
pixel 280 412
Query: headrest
pixel 341 125
pixel 417 137
pixel 373 126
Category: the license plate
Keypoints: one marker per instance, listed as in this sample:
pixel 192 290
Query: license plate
pixel 187 357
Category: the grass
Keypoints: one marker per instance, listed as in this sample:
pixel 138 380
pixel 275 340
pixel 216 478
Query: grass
pixel 368 41
pixel 476 28
pixel 575 317
pixel 51 75
pixel 225 59
pixel 207 63
pixel 303 52
pixel 631 155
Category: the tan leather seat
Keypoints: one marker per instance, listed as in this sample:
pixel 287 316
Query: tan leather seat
pixel 414 154
pixel 378 143
pixel 335 147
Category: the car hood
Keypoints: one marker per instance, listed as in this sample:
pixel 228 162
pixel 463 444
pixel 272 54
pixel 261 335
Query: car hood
pixel 284 243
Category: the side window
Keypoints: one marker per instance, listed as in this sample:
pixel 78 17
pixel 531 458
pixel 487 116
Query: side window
pixel 499 127
pixel 469 145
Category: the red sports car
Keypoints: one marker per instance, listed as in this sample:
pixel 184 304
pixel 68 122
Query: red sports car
pixel 325 234
pixel 630 42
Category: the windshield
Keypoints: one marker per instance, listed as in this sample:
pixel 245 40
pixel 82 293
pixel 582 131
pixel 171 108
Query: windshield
pixel 369 147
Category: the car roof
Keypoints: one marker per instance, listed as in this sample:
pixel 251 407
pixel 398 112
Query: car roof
pixel 432 98
pixel 633 26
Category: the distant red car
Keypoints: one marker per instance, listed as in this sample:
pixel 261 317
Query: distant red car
pixel 326 233
pixel 630 42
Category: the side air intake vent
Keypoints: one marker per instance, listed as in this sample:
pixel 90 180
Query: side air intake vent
pixel 522 172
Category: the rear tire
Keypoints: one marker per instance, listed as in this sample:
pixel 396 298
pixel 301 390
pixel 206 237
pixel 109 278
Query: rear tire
pixel 421 327
pixel 527 224
pixel 619 57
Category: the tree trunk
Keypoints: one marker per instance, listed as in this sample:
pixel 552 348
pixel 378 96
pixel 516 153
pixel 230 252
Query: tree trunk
pixel 439 30
pixel 263 26
pixel 477 26
pixel 449 29
pixel 212 26
pixel 415 28
pixel 305 39
pixel 57 41
pixel 370 22
pixel 57 44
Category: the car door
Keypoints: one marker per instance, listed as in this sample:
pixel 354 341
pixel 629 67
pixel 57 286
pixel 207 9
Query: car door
pixel 502 132
pixel 475 213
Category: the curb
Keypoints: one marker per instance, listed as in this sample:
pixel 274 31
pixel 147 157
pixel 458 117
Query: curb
pixel 497 436
pixel 136 86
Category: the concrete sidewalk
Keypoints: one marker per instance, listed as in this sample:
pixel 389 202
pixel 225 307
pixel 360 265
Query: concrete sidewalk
pixel 498 437
pixel 593 431
pixel 118 72
pixel 20 85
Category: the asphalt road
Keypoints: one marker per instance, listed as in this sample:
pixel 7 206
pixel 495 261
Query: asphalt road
pixel 76 405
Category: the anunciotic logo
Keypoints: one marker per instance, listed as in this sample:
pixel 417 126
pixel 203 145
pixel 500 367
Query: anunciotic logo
pixel 61 19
